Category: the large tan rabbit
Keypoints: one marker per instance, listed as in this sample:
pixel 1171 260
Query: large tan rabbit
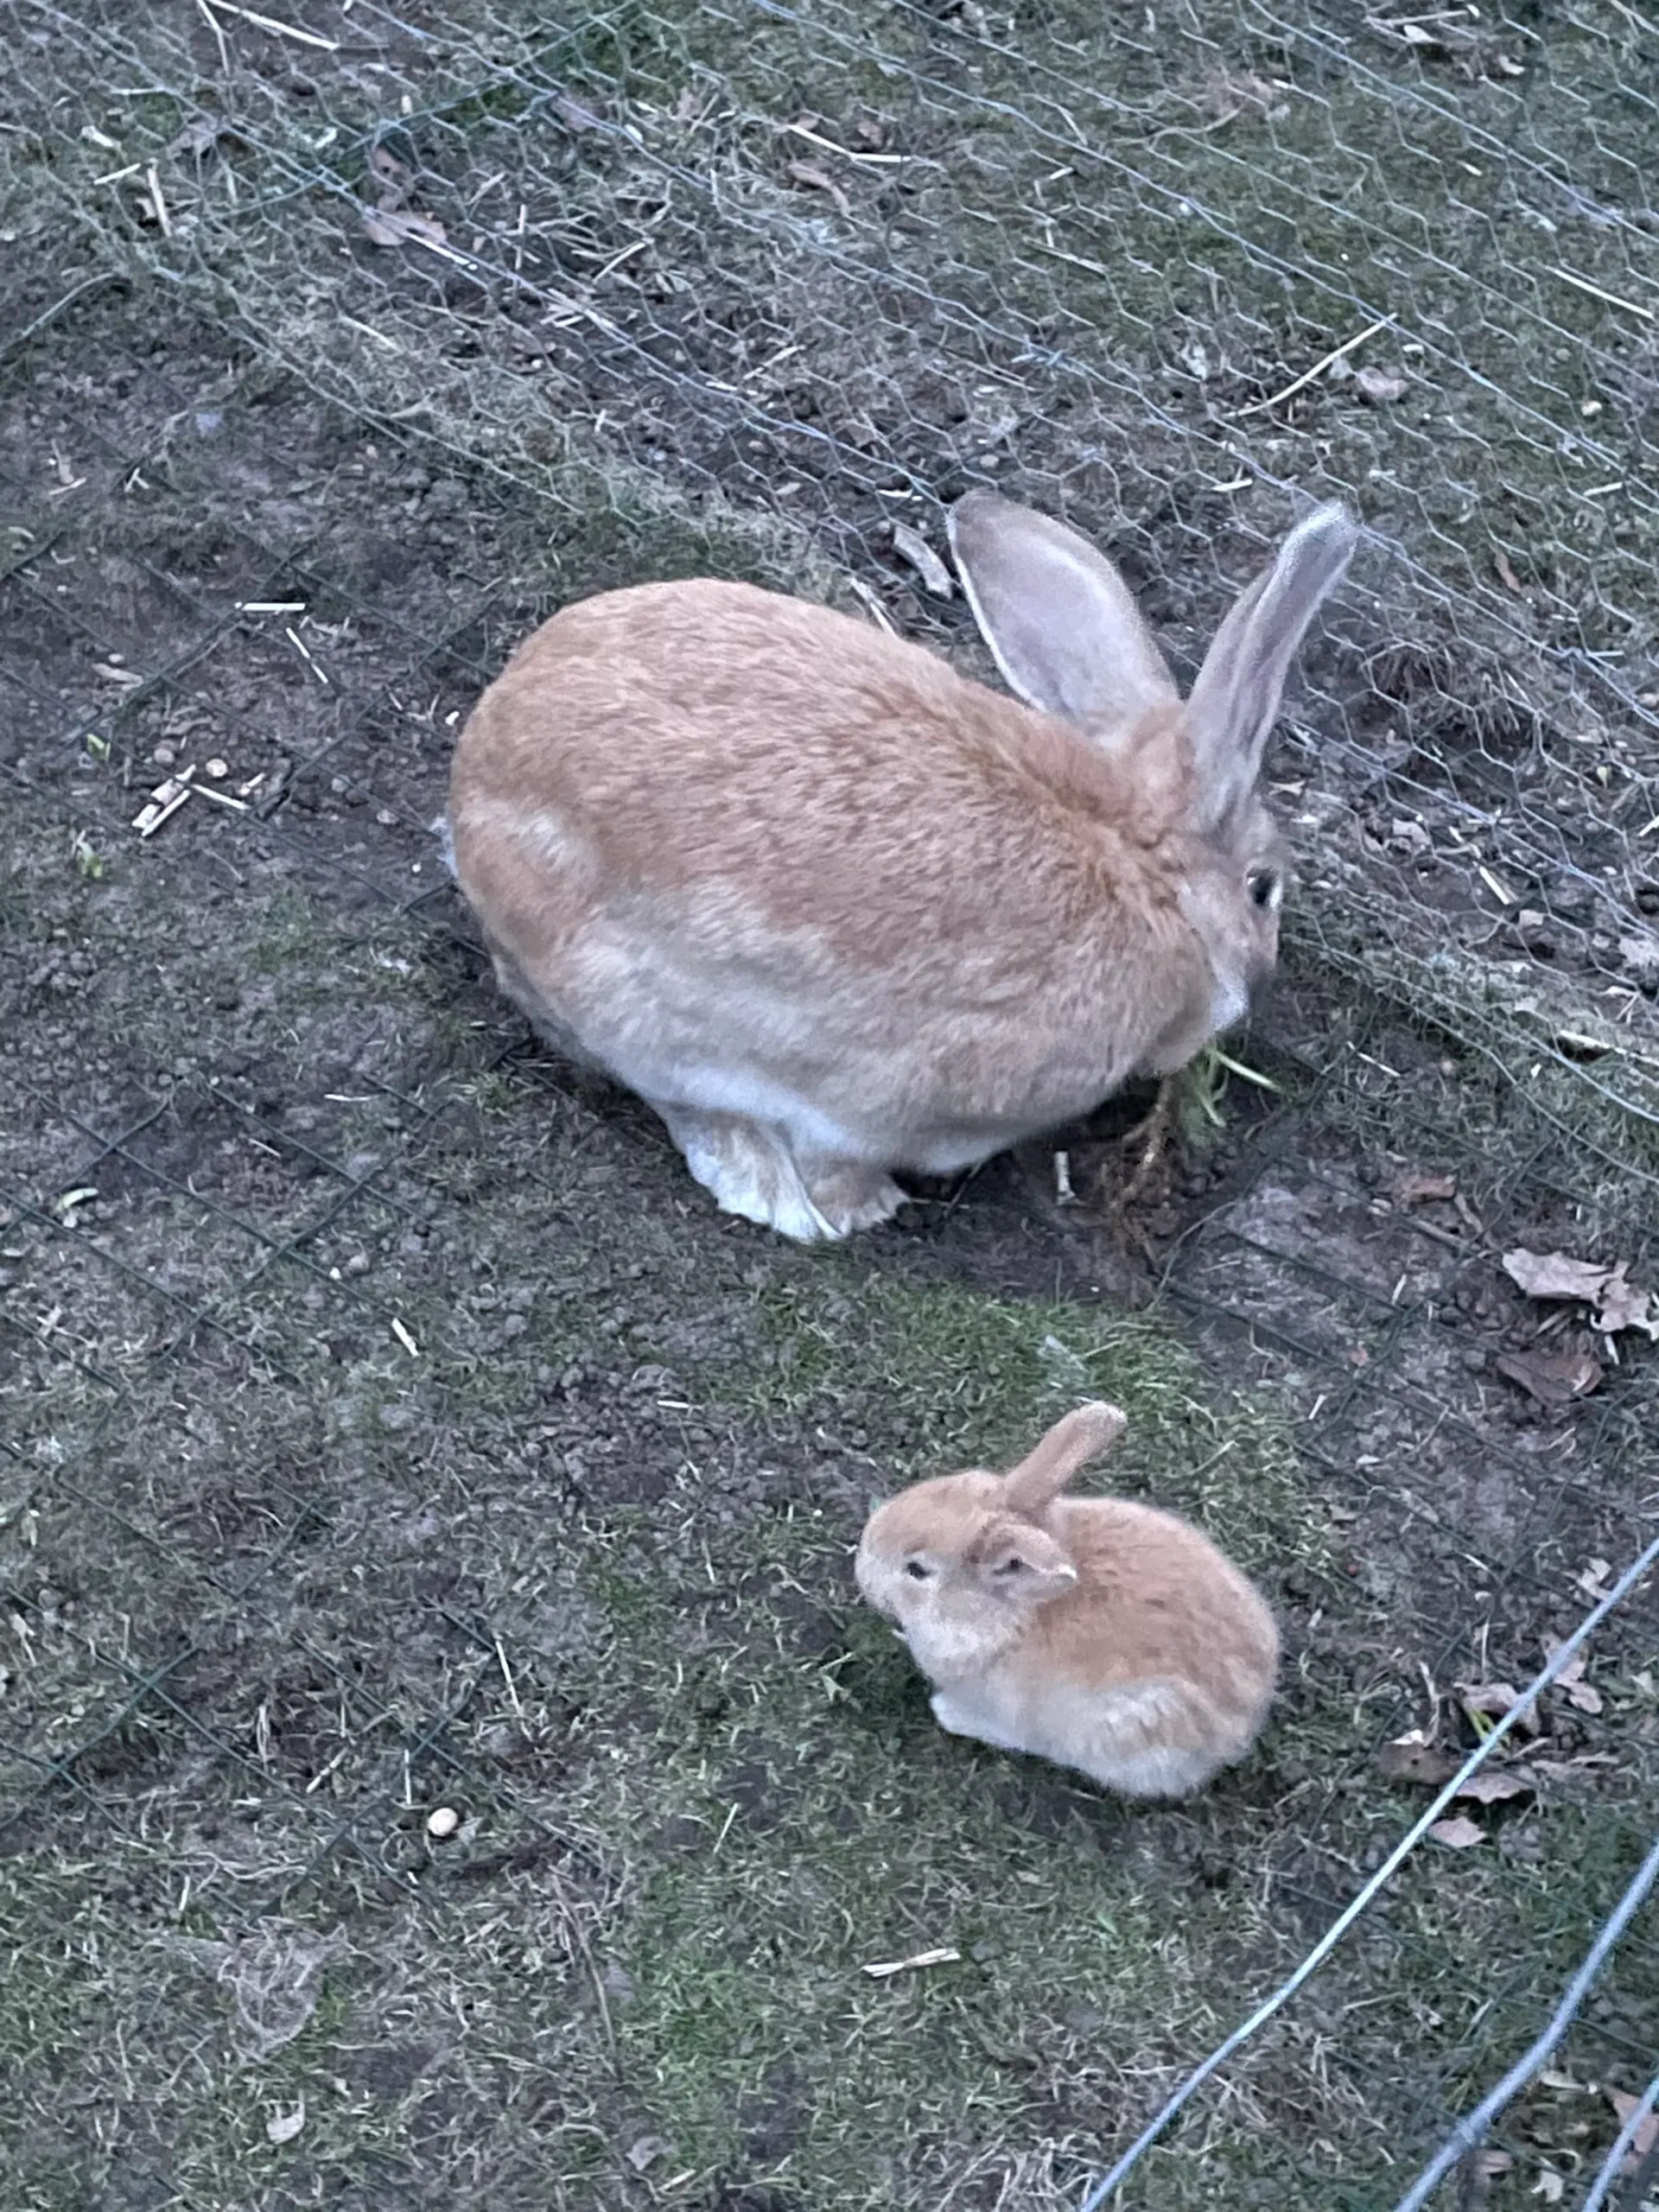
pixel 1092 1631
pixel 834 911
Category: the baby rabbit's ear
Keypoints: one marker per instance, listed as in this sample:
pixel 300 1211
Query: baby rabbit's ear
pixel 1084 1433
pixel 1058 618
pixel 1235 700
pixel 1016 1561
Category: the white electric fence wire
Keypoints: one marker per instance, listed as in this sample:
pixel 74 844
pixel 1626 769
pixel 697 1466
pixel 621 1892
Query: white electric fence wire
pixel 1471 2131
pixel 1624 2143
pixel 1333 1934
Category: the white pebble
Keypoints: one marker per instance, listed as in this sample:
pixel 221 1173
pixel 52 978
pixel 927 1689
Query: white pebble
pixel 442 1822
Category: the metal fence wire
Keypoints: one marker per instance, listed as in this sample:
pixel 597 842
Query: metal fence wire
pixel 1172 269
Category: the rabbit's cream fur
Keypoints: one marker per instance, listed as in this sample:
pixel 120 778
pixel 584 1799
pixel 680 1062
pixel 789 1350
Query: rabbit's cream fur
pixel 1095 1632
pixel 834 911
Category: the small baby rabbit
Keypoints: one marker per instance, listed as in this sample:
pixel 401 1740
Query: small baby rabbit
pixel 1092 1631
pixel 833 911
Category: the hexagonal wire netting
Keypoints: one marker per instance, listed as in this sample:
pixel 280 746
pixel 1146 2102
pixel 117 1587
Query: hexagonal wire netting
pixel 1170 275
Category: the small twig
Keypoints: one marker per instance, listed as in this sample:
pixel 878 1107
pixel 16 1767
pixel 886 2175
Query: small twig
pixel 1583 284
pixel 883 161
pixel 281 30
pixel 1350 345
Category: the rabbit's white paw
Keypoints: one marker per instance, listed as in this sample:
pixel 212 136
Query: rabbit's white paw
pixel 850 1197
pixel 748 1168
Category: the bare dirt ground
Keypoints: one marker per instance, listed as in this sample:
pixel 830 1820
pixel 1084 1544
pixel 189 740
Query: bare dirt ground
pixel 392 1430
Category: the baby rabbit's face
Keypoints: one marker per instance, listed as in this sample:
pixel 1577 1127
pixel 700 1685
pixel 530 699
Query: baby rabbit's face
pixel 958 1573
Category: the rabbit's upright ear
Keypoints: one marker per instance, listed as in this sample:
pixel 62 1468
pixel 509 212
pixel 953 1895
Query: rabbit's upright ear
pixel 1084 1433
pixel 1235 701
pixel 1058 618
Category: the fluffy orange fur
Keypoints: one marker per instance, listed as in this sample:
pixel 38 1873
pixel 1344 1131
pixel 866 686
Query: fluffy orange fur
pixel 833 910
pixel 1097 1632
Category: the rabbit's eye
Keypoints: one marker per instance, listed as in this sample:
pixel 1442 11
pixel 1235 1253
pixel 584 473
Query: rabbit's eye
pixel 1263 888
pixel 915 1570
pixel 1011 1567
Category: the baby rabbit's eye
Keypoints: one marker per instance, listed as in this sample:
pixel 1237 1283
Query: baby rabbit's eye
pixel 1010 1567
pixel 915 1570
pixel 1263 886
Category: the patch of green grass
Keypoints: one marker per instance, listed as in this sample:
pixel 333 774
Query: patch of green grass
pixel 939 1376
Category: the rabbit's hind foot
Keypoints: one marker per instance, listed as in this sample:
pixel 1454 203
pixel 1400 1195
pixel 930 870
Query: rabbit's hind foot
pixel 748 1168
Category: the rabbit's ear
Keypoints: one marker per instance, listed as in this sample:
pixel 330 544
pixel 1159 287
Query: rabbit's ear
pixel 1019 1562
pixel 1058 618
pixel 1235 701
pixel 1084 1433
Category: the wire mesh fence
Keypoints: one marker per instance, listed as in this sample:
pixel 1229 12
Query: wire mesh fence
pixel 1168 271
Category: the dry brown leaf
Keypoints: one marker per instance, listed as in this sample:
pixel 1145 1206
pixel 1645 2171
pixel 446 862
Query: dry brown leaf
pixel 1458 1832
pixel 1619 1305
pixel 1647 2131
pixel 1507 576
pixel 1413 1758
pixel 1417 1190
pixel 810 173
pixel 1570 1681
pixel 1554 1378
pixel 1495 1700
pixel 1549 2185
pixel 1379 387
pixel 910 545
pixel 1488 2164
pixel 1594 1580
pixel 1492 1785
pixel 396 226
pixel 1573 1770
pixel 1552 1275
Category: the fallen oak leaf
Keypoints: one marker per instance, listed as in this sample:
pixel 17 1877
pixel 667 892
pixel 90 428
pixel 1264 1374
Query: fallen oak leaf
pixel 1493 1785
pixel 1619 1305
pixel 1378 387
pixel 1460 1831
pixel 1570 1681
pixel 1493 1700
pixel 1647 2129
pixel 396 226
pixel 1552 1275
pixel 1594 1580
pixel 1553 1379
